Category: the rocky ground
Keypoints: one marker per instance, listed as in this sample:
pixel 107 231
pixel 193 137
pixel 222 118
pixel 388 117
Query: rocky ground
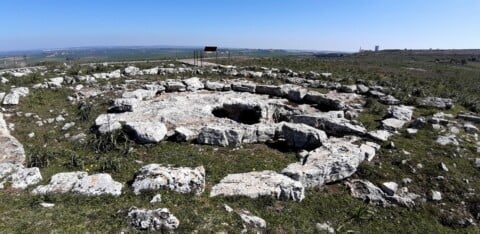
pixel 231 148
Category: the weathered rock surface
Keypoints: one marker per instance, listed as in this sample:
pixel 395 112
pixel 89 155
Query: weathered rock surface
pixel 193 84
pixel 80 183
pixel 17 176
pixel 324 227
pixel 124 104
pixel 369 151
pixel 214 86
pixel 184 134
pixel 435 195
pixel 60 183
pixel 441 103
pixel 11 98
pixel 153 220
pixel 235 135
pixel 132 71
pixel 469 117
pixel 244 87
pixel 393 124
pixel 389 100
pixel 174 86
pixel 109 127
pixel 178 179
pixel 252 223
pixel 367 191
pixel 147 132
pixel 140 94
pixel 335 160
pixel 96 185
pixel 332 123
pixel 302 136
pixel 11 150
pixel 256 184
pixel 470 128
pixel 448 139
pixel 195 110
pixel 401 112
pixel 390 188
pixel 324 101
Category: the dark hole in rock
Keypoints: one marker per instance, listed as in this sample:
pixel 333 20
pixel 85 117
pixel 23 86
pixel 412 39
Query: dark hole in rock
pixel 240 113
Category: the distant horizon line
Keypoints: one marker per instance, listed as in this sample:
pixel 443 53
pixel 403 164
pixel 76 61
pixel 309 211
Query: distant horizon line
pixel 191 46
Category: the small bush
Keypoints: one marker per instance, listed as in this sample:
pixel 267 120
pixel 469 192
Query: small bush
pixel 114 141
pixel 84 111
pixel 39 157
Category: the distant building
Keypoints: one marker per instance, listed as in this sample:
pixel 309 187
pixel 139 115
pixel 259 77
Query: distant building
pixel 377 48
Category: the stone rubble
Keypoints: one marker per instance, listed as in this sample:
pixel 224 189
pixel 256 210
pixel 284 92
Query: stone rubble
pixel 152 220
pixel 367 191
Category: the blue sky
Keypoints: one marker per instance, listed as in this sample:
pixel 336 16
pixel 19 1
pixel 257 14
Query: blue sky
pixel 343 25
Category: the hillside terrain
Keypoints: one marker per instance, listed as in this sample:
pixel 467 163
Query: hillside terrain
pixel 363 143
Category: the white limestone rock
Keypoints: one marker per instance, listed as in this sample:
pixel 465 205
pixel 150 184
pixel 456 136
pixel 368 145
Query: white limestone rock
pixel 368 192
pixel 302 136
pixel 21 91
pixel 18 176
pixel 11 98
pixel 132 71
pixel 115 74
pixel 380 135
pixel 152 220
pixel 324 227
pixel 193 84
pixel 244 87
pixel 256 184
pixel 401 112
pixel 446 140
pixel 214 86
pixel 68 126
pixel 151 71
pixel 333 123
pixel 124 104
pixel 156 199
pixel 11 150
pixel 470 128
pixel 389 100
pixel 441 103
pixel 221 136
pixel 178 179
pixel 435 195
pixel 183 134
pixel 174 86
pixel 390 188
pixel 252 223
pixel 140 94
pixel 324 100
pixel 369 151
pixel 98 184
pixel 337 159
pixel 393 124
pixel 147 132
pixel 60 183
pixel 109 127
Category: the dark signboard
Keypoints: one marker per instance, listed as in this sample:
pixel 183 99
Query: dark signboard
pixel 210 49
